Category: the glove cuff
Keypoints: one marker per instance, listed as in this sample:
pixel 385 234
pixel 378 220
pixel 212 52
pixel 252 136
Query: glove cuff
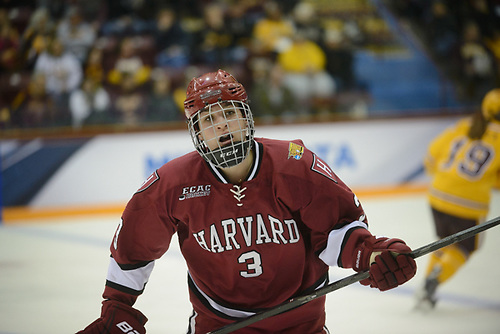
pixel 113 306
pixel 350 249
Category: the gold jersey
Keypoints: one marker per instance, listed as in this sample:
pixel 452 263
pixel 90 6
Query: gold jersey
pixel 464 171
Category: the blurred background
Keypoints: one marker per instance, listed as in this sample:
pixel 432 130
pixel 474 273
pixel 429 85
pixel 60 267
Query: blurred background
pixel 74 70
pixel 83 66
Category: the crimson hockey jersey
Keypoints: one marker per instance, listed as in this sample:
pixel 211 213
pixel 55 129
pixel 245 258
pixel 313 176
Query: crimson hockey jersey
pixel 248 247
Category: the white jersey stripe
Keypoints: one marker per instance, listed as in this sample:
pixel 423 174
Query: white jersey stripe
pixel 225 310
pixel 192 323
pixel 235 313
pixel 330 255
pixel 134 279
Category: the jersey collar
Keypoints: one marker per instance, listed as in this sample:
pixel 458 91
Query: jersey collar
pixel 258 148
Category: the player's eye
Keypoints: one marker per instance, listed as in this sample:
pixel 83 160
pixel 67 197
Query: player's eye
pixel 229 112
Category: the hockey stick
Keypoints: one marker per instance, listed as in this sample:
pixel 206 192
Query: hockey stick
pixel 296 302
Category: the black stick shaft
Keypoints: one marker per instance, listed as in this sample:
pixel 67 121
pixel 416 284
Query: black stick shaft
pixel 295 302
pixel 454 238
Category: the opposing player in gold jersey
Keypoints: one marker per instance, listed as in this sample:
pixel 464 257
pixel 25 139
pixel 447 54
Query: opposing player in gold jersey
pixel 464 163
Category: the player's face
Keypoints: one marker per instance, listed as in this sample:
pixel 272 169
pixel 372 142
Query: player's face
pixel 221 125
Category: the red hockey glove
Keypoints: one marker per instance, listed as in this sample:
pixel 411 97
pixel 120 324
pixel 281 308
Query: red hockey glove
pixel 388 262
pixel 117 318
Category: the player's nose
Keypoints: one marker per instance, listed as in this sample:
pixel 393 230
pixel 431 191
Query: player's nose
pixel 220 122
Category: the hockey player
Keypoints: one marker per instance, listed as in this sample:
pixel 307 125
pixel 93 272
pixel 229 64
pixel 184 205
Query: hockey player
pixel 258 221
pixel 464 163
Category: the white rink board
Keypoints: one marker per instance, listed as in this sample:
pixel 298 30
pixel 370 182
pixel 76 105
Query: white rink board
pixel 52 274
pixel 110 168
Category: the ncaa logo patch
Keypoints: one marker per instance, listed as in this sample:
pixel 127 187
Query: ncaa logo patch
pixel 295 151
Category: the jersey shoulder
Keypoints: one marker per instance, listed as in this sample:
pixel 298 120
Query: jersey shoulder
pixel 460 127
pixel 284 153
pixel 283 148
pixel 292 157
pixel 183 164
pixel 493 132
pixel 175 171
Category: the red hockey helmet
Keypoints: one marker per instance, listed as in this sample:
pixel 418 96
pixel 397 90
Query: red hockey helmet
pixel 210 88
pixel 214 92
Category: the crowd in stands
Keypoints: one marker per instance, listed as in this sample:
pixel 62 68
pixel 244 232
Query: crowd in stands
pixel 86 62
pixel 77 63
pixel 463 38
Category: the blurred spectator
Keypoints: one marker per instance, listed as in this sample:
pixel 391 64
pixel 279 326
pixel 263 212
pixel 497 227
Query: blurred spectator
pixel 129 65
pixel 76 35
pixel 5 120
pixel 14 4
pixel 241 17
pixel 376 31
pixel 62 70
pixel 124 18
pixel 92 11
pixel 37 35
pixel 271 99
pixel 482 13
pixel 93 66
pixel 56 8
pixel 172 41
pixel 161 104
pixel 304 63
pixel 352 31
pixel 9 44
pixel 129 105
pixel 179 92
pixel 306 22
pixel 33 107
pixel 213 44
pixel 477 63
pixel 287 6
pixel 442 30
pixel 493 44
pixel 339 59
pixel 411 9
pixel 89 104
pixel 272 33
pixel 494 8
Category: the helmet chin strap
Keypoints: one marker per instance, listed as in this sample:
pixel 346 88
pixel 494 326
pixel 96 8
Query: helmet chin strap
pixel 229 156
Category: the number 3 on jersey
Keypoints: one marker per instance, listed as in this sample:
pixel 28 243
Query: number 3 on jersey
pixel 253 262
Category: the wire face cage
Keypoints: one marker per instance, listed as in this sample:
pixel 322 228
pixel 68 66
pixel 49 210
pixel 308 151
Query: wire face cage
pixel 223 132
